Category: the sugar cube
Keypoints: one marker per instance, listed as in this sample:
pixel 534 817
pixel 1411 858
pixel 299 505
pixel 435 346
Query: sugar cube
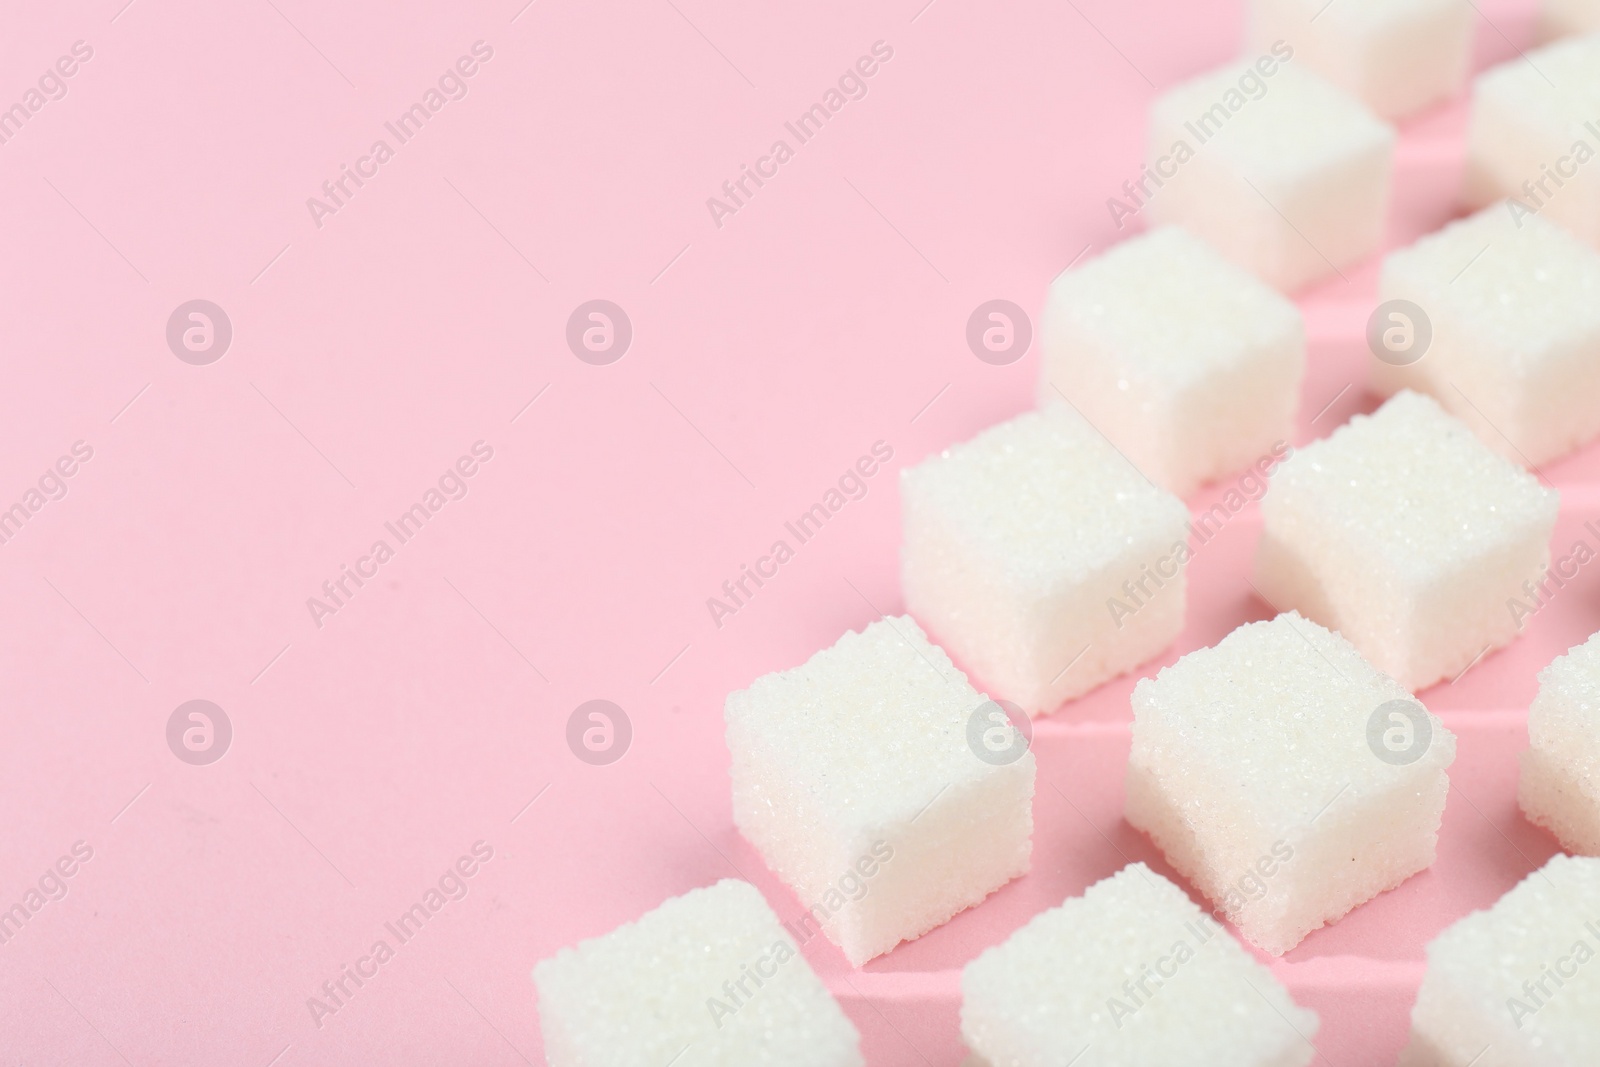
pixel 1517 985
pixel 1560 786
pixel 1135 972
pixel 1512 305
pixel 1042 558
pixel 1562 18
pixel 708 979
pixel 860 778
pixel 1285 777
pixel 1534 130
pixel 1280 171
pixel 1408 535
pixel 1397 56
pixel 1188 363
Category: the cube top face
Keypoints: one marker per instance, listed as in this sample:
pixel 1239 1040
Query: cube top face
pixel 1556 108
pixel 1490 959
pixel 872 729
pixel 642 992
pixel 1566 713
pixel 1410 490
pixel 1043 501
pixel 1295 126
pixel 1286 704
pixel 1072 977
pixel 1520 289
pixel 1171 311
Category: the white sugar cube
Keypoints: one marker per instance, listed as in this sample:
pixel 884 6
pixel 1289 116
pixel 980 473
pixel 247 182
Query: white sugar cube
pixel 862 779
pixel 1281 172
pixel 1136 973
pixel 1409 536
pixel 1397 56
pixel 1188 363
pixel 1560 786
pixel 1562 18
pixel 1285 777
pixel 1534 133
pixel 1512 303
pixel 1517 985
pixel 708 979
pixel 1042 558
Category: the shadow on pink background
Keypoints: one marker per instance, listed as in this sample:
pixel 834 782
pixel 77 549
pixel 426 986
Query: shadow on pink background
pixel 424 714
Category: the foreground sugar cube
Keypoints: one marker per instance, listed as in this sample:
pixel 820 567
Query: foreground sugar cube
pixel 712 975
pixel 1042 558
pixel 1517 985
pixel 1560 785
pixel 856 777
pixel 1535 129
pixel 1512 302
pixel 1285 777
pixel 1188 363
pixel 1276 168
pixel 1136 972
pixel 1562 18
pixel 1409 536
pixel 1397 56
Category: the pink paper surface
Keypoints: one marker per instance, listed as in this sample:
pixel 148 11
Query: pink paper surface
pixel 377 340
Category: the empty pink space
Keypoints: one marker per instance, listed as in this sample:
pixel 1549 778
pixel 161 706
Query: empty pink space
pixel 428 371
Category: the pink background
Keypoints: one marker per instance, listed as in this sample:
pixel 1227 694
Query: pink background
pixel 369 353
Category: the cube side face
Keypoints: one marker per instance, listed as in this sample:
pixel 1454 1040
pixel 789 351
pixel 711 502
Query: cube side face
pixel 1560 784
pixel 986 823
pixel 1150 980
pixel 969 607
pixel 670 979
pixel 1335 214
pixel 1551 795
pixel 1131 408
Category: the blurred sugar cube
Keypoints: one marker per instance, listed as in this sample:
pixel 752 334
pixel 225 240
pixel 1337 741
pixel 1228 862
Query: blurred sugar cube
pixel 1534 134
pixel 1408 535
pixel 1136 972
pixel 1560 785
pixel 1188 363
pixel 864 779
pixel 1517 985
pixel 1042 558
pixel 1397 56
pixel 1563 18
pixel 707 979
pixel 1508 335
pixel 1276 168
pixel 1285 777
